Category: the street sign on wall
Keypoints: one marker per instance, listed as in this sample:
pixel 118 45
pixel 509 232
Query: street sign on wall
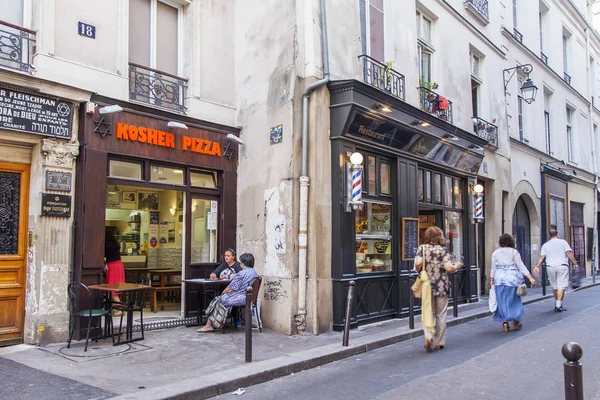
pixel 31 113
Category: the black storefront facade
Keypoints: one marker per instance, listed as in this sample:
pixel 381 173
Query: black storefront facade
pixel 418 171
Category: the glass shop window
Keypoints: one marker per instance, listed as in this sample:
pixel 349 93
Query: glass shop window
pixel 454 235
pixel 125 169
pixel 203 179
pixel 171 176
pixel 374 238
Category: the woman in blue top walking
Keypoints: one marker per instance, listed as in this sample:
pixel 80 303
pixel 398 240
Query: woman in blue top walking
pixel 233 295
pixel 507 273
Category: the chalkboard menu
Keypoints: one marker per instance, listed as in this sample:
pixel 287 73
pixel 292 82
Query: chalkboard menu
pixel 32 113
pixel 410 238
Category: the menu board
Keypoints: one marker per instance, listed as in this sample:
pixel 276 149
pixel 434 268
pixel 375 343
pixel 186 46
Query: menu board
pixel 410 238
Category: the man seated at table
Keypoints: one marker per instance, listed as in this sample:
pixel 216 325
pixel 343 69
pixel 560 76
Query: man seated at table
pixel 228 268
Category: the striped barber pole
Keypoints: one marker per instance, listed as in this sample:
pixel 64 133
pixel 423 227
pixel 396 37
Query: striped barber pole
pixel 356 185
pixel 479 207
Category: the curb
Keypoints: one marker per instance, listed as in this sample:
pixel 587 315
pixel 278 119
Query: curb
pixel 258 372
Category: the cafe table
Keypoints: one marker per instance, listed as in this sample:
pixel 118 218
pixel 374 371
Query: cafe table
pixel 129 290
pixel 203 284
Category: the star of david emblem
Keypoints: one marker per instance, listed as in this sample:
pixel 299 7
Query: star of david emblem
pixel 102 127
pixel 228 150
pixel 63 109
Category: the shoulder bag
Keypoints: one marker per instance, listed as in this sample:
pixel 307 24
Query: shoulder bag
pixel 416 287
pixel 521 287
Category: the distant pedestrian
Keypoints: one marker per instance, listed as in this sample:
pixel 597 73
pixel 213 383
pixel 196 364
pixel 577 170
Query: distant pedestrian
pixel 508 271
pixel 434 258
pixel 557 253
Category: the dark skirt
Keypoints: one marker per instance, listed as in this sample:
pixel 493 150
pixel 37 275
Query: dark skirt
pixel 510 306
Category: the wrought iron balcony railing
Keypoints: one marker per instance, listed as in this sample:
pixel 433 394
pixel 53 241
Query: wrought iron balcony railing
pixel 517 35
pixel 16 47
pixel 158 88
pixel 435 104
pixel 486 130
pixel 567 78
pixel 481 6
pixel 382 77
pixel 544 58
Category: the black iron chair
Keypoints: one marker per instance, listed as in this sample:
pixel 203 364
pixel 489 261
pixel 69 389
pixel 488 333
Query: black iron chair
pixel 138 300
pixel 238 314
pixel 76 292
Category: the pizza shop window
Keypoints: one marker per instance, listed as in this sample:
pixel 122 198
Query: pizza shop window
pixel 125 169
pixel 203 179
pixel 172 176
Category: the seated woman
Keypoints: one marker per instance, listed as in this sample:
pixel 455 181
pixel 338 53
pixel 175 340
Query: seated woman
pixel 228 268
pixel 233 295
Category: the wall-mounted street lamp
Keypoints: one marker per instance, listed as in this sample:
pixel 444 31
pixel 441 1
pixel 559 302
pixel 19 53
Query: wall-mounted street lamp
pixel 528 89
pixel 354 182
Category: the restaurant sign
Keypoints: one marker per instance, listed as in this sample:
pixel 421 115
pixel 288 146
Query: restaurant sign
pixel 156 137
pixel 56 205
pixel 41 115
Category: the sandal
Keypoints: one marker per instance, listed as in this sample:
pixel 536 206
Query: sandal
pixel 205 329
pixel 505 326
pixel 439 347
pixel 517 325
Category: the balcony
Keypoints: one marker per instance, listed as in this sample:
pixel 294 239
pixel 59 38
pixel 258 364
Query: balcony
pixel 517 35
pixel 434 104
pixel 567 78
pixel 544 58
pixel 486 130
pixel 382 77
pixel 16 47
pixel 479 8
pixel 157 88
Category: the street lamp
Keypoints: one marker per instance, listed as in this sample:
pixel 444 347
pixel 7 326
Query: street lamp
pixel 528 89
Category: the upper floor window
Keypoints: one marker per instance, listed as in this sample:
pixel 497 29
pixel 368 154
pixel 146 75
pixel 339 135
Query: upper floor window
pixel 520 108
pixel 423 27
pixel 374 25
pixel 154 31
pixel 424 48
pixel 565 48
pixel 570 139
pixel 514 13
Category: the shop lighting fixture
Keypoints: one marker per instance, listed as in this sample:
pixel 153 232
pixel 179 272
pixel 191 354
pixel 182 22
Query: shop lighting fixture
pixel 231 136
pixel 423 124
pixel 356 158
pixel 476 147
pixel 111 109
pixel 383 108
pixel 451 137
pixel 173 124
pixel 478 188
pixel 173 210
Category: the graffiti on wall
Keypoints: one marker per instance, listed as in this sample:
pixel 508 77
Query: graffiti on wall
pixel 274 291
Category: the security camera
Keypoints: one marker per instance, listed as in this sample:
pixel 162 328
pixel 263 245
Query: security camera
pixel 235 138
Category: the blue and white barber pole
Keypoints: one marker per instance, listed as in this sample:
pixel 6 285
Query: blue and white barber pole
pixel 356 188
pixel 478 216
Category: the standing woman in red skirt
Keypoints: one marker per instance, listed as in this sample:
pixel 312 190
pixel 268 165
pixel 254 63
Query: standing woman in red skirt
pixel 115 272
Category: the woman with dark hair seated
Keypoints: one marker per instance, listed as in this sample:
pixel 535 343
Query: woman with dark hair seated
pixel 233 295
pixel 506 274
pixel 228 268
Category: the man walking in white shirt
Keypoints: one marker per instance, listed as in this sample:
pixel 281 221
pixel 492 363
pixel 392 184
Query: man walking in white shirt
pixel 557 253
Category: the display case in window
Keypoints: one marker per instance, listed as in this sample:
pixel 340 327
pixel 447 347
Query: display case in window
pixel 374 238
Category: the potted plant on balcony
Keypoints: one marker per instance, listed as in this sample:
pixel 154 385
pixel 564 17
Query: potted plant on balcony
pixel 428 85
pixel 385 79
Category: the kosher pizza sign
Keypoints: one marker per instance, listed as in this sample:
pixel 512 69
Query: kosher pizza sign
pixel 32 113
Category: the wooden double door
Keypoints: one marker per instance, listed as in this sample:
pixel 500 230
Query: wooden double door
pixel 14 195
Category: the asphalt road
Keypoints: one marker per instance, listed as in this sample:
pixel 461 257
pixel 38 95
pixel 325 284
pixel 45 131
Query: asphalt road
pixel 480 361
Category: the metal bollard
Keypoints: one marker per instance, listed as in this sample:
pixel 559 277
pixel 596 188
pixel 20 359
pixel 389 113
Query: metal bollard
pixel 346 336
pixel 454 296
pixel 248 324
pixel 411 304
pixel 573 371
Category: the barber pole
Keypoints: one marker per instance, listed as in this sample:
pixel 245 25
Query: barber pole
pixel 355 187
pixel 478 207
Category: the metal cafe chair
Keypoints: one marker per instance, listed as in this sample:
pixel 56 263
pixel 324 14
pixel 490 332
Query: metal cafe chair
pixel 77 293
pixel 139 300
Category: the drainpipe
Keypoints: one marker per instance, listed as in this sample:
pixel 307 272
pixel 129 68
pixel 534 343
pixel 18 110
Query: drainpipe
pixel 594 165
pixel 300 318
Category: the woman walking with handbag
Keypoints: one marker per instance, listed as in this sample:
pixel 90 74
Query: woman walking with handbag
pixel 506 280
pixel 433 258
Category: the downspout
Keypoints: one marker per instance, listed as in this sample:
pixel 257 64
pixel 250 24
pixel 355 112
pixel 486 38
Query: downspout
pixel 300 318
pixel 594 165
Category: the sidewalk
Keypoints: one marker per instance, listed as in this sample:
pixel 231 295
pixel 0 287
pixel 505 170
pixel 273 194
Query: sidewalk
pixel 179 363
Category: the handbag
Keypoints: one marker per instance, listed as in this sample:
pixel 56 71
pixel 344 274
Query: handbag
pixel 522 287
pixel 416 287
